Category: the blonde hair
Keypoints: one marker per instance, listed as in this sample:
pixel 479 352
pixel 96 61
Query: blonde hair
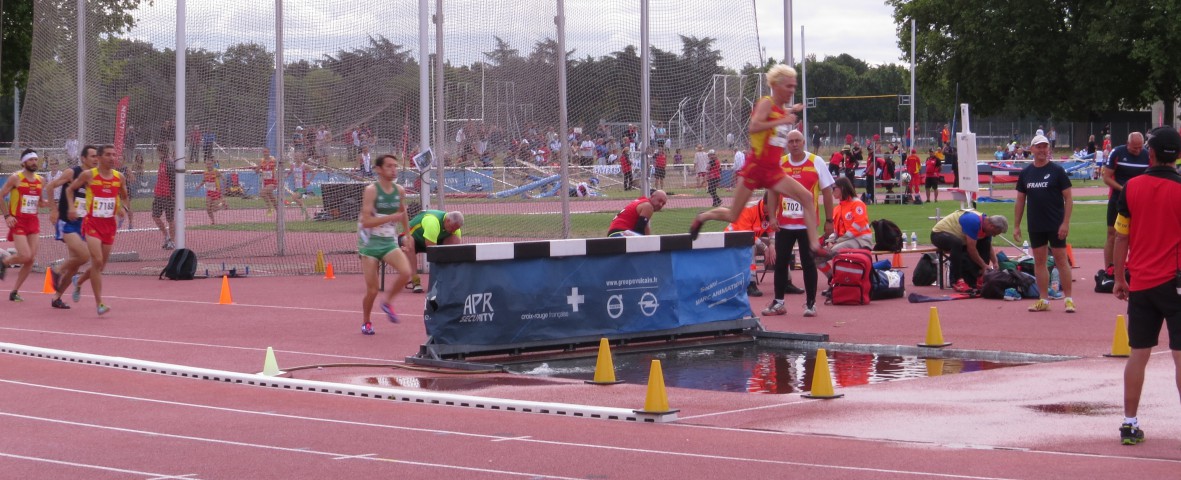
pixel 779 72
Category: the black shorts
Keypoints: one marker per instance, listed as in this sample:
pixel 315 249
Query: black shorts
pixel 932 182
pixel 1148 309
pixel 659 173
pixel 1113 208
pixel 1038 239
pixel 163 206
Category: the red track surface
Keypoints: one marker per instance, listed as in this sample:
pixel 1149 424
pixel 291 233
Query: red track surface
pixel 61 420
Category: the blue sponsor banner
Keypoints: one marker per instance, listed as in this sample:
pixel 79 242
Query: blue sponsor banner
pixel 145 185
pixel 541 299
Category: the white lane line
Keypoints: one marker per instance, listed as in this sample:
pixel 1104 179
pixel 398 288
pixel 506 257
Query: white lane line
pixel 350 457
pixel 545 442
pixel 150 476
pixel 251 305
pixel 194 344
pixel 741 410
pixel 512 438
pixel 275 447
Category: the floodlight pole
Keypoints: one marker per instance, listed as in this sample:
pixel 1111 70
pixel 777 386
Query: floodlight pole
pixel 914 138
pixel 424 92
pixel 178 186
pixel 81 67
pixel 563 122
pixel 440 152
pixel 280 132
pixel 804 85
pixel 645 97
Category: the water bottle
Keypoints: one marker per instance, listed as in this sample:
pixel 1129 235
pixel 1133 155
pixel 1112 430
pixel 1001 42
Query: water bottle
pixel 914 241
pixel 1054 283
pixel 1025 248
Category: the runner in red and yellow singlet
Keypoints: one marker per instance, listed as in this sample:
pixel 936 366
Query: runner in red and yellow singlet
pixel 270 181
pixel 769 125
pixel 106 198
pixel 20 197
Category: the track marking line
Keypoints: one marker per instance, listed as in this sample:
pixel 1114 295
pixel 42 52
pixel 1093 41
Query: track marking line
pixel 349 457
pixel 513 438
pixel 150 476
pixel 194 344
pixel 272 447
pixel 250 305
pixel 585 445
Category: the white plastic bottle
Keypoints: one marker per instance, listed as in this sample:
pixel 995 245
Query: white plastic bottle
pixel 1025 248
pixel 914 241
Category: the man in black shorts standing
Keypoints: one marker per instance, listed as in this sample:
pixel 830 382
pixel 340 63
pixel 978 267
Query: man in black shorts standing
pixel 1047 187
pixel 1124 163
pixel 163 201
pixel 1148 238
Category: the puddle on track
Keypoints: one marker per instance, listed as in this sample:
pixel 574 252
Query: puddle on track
pixel 757 369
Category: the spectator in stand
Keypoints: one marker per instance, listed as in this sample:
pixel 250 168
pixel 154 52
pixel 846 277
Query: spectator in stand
pixel 625 167
pixel 701 166
pixel 586 152
pixel 678 159
pixel 1053 138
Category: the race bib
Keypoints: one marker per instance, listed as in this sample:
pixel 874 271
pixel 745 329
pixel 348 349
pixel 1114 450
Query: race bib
pixel 211 186
pixel 268 174
pixel 779 139
pixel 387 230
pixel 104 207
pixel 792 208
pixel 29 204
pixel 80 207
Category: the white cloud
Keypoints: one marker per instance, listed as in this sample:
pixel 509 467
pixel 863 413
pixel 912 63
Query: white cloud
pixel 864 29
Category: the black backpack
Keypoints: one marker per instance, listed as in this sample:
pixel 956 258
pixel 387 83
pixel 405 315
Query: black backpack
pixel 888 236
pixel 996 282
pixel 182 265
pixel 925 272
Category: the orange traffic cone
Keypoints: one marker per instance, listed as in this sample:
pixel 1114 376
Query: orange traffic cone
pixel 328 274
pixel 225 299
pixel 1070 256
pixel 49 288
pixel 896 262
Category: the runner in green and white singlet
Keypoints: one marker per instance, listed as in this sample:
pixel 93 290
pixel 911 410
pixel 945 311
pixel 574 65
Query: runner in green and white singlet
pixel 382 210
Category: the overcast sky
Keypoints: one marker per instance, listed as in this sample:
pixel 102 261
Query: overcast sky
pixel 862 28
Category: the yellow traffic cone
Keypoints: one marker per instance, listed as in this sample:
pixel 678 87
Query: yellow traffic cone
pixel 657 399
pixel 225 299
pixel 822 379
pixel 604 367
pixel 1119 342
pixel 270 367
pixel 934 366
pixel 319 266
pixel 49 287
pixel 934 332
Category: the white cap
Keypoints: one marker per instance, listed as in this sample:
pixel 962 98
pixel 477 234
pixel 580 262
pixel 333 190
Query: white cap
pixel 1038 139
pixel 711 152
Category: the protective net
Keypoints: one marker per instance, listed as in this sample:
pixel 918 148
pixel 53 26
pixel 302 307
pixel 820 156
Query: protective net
pixel 351 93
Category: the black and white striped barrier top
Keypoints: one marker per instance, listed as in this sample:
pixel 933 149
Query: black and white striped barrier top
pixel 482 252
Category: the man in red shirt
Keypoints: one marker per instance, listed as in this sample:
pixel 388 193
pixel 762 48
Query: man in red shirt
pixel 932 173
pixel 163 201
pixel 1148 229
pixel 635 218
pixel 912 169
pixel 106 198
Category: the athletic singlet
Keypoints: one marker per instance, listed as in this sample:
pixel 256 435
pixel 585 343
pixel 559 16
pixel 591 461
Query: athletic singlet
pixel 627 218
pixel 267 171
pixel 386 204
pixel 63 210
pixel 791 214
pixel 22 200
pixel 102 194
pixel 212 180
pixel 767 146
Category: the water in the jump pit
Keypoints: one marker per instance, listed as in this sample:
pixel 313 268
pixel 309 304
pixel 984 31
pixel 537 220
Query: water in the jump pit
pixel 755 369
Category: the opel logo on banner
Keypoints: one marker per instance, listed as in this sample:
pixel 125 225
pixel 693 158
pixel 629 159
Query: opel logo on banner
pixel 648 304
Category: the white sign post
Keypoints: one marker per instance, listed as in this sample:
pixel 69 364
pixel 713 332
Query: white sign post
pixel 969 176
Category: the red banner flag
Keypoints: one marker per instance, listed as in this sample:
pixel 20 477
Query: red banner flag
pixel 120 129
